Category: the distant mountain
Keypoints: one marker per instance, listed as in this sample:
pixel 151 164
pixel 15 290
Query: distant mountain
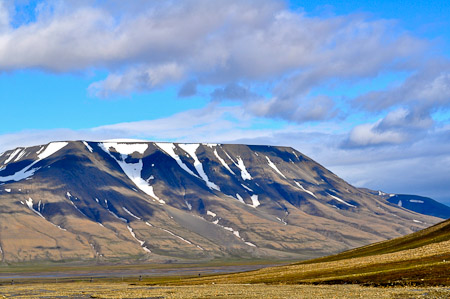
pixel 117 200
pixel 420 204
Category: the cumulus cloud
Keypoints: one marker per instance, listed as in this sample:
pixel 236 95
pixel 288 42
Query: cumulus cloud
pixel 188 89
pixel 218 45
pixel 295 110
pixel 397 127
pixel 136 80
pixel 428 89
pixel 4 17
pixel 234 92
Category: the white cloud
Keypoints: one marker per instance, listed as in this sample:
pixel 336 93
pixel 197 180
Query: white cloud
pixel 426 90
pixel 367 135
pixel 136 80
pixel 4 17
pixel 260 44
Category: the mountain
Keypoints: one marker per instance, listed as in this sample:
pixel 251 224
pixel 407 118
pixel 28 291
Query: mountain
pixel 420 204
pixel 163 202
pixel 421 258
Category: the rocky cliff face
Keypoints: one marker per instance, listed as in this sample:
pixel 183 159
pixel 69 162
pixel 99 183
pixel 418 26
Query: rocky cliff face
pixel 166 201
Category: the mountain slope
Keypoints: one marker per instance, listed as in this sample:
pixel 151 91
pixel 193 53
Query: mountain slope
pixel 420 204
pixel 421 258
pixel 166 201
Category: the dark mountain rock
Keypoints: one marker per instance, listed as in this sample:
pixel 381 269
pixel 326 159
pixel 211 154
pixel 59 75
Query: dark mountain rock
pixel 420 204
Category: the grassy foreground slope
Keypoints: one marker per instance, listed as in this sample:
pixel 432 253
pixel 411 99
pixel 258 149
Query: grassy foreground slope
pixel 421 258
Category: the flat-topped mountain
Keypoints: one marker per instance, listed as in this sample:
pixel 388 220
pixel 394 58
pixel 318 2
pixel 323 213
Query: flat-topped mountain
pixel 153 201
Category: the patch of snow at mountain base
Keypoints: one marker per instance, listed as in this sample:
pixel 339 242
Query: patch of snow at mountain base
pixel 281 220
pixel 417 221
pixel 274 167
pixel 181 238
pixel 235 232
pixel 140 241
pixel 222 161
pixel 240 198
pixel 400 204
pixel 212 214
pixel 28 171
pixel 29 203
pixel 191 149
pixel 303 189
pixel 168 148
pixel 8 190
pixel 189 206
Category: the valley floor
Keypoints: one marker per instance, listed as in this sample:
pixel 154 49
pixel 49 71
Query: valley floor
pixel 142 290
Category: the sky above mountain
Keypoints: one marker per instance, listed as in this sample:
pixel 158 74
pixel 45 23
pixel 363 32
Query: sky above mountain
pixel 362 87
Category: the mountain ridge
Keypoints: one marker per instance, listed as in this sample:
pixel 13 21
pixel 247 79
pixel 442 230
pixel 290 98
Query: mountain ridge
pixel 176 201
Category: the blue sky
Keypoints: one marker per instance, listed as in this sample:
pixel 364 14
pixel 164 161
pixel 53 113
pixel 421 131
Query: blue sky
pixel 363 87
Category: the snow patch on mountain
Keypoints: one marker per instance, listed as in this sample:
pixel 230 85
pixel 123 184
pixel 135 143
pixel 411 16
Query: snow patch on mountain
pixel 29 203
pixel 140 241
pixel 274 167
pixel 255 201
pixel 240 198
pixel 168 148
pixel 12 155
pixel 247 188
pixel 222 161
pixel 244 173
pixel 131 214
pixel 191 150
pixel 303 189
pixel 416 201
pixel 126 148
pixel 75 206
pixel 234 232
pixel 88 146
pixel 132 170
pixel 20 155
pixel 342 201
pixel 177 236
pixel 28 171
